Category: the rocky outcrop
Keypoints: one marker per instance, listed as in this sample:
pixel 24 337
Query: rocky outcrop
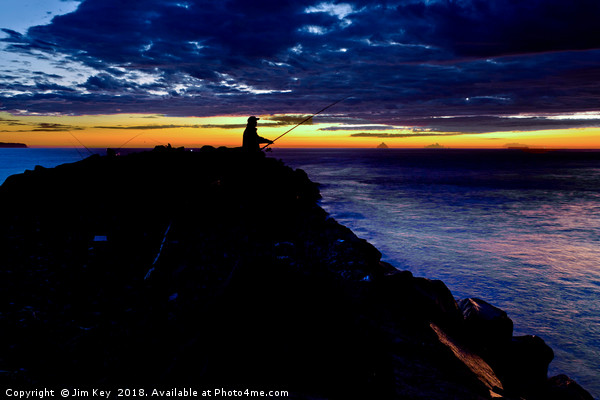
pixel 563 387
pixel 520 362
pixel 12 145
pixel 219 268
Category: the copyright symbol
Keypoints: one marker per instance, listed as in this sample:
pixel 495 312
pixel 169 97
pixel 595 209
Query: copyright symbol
pixel 64 393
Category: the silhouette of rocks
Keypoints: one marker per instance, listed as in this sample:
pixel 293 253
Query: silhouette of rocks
pixel 523 367
pixel 218 268
pixel 12 145
pixel 563 387
pixel 487 328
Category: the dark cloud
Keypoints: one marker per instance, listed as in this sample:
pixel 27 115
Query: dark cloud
pixel 484 28
pixel 47 76
pixel 485 124
pixel 48 127
pixel 138 127
pixel 358 128
pixel 42 127
pixel 403 135
pixel 401 61
pixel 106 82
pixel 477 124
pixel 13 36
pixel 163 34
pixel 290 119
pixel 45 85
pixel 278 120
pixel 7 121
pixel 223 126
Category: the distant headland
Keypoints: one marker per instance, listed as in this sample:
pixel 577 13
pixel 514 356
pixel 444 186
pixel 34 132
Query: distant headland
pixel 4 145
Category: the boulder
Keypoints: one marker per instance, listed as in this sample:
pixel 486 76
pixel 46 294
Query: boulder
pixel 561 387
pixel 252 285
pixel 488 329
pixel 524 367
pixel 418 297
pixel 437 298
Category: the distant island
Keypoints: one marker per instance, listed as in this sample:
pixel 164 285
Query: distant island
pixel 4 145
pixel 527 149
pixel 435 146
pixel 383 146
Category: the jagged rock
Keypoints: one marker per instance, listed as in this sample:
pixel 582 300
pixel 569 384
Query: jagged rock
pixel 521 362
pixel 484 373
pixel 487 328
pixel 417 297
pixel 524 367
pixel 251 284
pixel 387 268
pixel 441 301
pixel 561 387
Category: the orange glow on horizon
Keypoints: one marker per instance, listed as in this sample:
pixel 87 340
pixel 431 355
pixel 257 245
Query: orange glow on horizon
pixel 144 131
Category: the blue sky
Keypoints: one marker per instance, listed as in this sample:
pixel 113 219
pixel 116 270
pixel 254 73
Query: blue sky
pixel 19 15
pixel 462 65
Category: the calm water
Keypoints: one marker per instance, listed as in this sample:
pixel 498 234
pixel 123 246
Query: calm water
pixel 519 230
pixel 15 161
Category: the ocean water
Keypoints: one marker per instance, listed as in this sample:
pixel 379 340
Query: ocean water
pixel 519 230
pixel 16 161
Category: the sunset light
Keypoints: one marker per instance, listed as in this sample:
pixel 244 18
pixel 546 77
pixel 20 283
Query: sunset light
pixel 478 84
pixel 304 199
pixel 149 130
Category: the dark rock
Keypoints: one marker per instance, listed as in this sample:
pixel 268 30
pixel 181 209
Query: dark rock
pixel 487 328
pixel 524 368
pixel 168 147
pixel 12 145
pixel 520 362
pixel 417 297
pixel 388 269
pixel 217 267
pixel 561 387
pixel 439 300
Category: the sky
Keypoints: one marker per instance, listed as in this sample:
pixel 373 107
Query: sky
pixel 461 73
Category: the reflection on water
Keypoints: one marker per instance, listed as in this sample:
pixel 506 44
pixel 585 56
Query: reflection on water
pixel 519 230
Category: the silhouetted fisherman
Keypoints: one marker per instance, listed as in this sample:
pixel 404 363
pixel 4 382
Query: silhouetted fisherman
pixel 251 139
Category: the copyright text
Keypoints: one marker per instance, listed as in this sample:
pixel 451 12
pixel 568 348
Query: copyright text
pixel 139 392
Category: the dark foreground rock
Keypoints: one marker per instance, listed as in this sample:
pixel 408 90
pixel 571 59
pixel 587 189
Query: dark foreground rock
pixel 219 269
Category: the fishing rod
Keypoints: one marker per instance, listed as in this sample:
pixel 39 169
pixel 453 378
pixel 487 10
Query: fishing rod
pixel 77 149
pixel 81 143
pixel 121 146
pixel 303 121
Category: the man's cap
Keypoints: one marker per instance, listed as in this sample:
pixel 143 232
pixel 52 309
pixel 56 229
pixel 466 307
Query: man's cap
pixel 253 118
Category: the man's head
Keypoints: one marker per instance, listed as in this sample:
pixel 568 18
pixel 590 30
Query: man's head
pixel 253 119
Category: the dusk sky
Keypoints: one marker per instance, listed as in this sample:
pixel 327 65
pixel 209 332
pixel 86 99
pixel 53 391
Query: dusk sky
pixel 462 73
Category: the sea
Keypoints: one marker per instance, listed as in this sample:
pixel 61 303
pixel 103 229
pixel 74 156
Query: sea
pixel 519 229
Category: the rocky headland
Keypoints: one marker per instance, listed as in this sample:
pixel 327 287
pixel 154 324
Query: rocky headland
pixel 218 268
pixel 4 145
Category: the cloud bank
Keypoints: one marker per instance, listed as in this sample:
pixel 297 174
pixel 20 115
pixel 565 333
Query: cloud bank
pixel 402 62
